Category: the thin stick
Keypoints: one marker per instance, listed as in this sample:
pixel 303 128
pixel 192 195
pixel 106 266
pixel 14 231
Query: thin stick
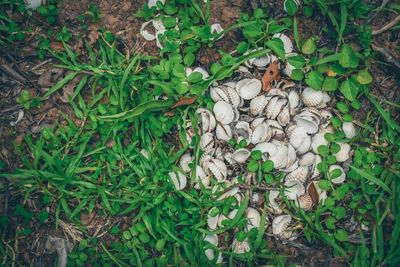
pixel 387 26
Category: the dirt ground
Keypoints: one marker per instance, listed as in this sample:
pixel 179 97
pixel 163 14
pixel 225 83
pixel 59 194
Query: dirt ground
pixel 38 75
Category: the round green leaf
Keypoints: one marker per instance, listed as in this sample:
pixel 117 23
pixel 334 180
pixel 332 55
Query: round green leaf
pixel 348 118
pixel 252 166
pixel 241 235
pixel 314 79
pixel 126 235
pixel 330 84
pixel 169 22
pixel 330 223
pixel 144 237
pixel 195 77
pixel 291 7
pixel 349 89
pixel 256 154
pixel 356 104
pixel 341 235
pixel 189 59
pixel 336 122
pixel 324 184
pixel 335 148
pixel 297 61
pixel 309 46
pixel 297 75
pixel 269 178
pixel 267 166
pixel 182 88
pixel 335 173
pixel 339 212
pixel 342 107
pixel 242 47
pixel 364 77
pixel 160 244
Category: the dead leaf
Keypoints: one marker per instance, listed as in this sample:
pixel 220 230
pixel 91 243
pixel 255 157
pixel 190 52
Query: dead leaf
pixel 312 191
pixel 184 101
pixel 68 89
pixel 56 46
pixel 271 74
pixel 170 113
pixel 87 218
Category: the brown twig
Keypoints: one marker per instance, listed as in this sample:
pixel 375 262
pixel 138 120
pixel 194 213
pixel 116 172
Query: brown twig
pixel 387 26
pixel 5 207
pixel 374 13
pixel 387 54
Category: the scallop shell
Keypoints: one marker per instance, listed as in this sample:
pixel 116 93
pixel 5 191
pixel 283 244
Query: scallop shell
pixel 344 153
pixel 297 136
pixel 284 116
pixel 349 129
pixel 257 105
pixel 305 146
pixel 312 97
pixel 294 100
pixel 184 162
pixel 223 112
pixel 253 218
pixel 260 134
pixel 267 149
pixel 305 202
pixel 280 224
pixel 205 179
pixel 294 189
pixel 308 120
pixel 280 159
pixel 217 168
pixel 212 222
pixel 181 184
pixel 325 101
pixel 274 107
pixel 229 158
pixel 248 88
pixel 300 174
pixel 261 61
pixel 307 159
pixel 321 193
pixel 241 155
pixel 339 179
pixel 287 43
pixel 223 132
pixel 207 121
pixel 226 94
pixel 206 141
pixel 318 140
pixel 291 157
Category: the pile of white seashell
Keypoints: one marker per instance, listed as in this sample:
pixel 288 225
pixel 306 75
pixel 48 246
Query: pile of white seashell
pixel 287 124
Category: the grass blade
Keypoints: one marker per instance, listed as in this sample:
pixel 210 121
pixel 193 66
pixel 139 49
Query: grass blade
pixel 371 178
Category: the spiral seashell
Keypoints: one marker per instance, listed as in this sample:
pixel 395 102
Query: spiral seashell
pixel 253 218
pixel 344 152
pixel 241 155
pixel 180 181
pixel 339 179
pixel 184 162
pixel 240 247
pixel 223 112
pixel 248 88
pixel 300 174
pixel 243 131
pixel 212 222
pixel 308 120
pixel 305 202
pixel 260 134
pixel 201 175
pixel 257 105
pixel 312 97
pixel 287 43
pixel 349 129
pixel 223 132
pixel 294 189
pixel 307 159
pixel 318 140
pixel 280 224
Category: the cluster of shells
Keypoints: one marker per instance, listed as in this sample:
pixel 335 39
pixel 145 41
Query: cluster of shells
pixel 286 124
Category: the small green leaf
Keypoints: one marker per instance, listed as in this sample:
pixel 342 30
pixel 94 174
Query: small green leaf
pixel 195 77
pixel 189 59
pixel 349 89
pixel 339 212
pixel 182 88
pixel 297 61
pixel 267 166
pixel 330 223
pixel 309 46
pixel 348 118
pixel 242 47
pixel 276 45
pixel 342 107
pixel 291 7
pixel 341 235
pixel 348 58
pixel 314 79
pixel 297 75
pixel 252 166
pixel 256 154
pixel 169 22
pixel 363 77
pixel 330 84
pixel 324 184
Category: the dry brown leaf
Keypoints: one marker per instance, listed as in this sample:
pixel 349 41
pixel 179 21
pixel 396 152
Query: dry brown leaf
pixel 312 191
pixel 56 46
pixel 170 113
pixel 271 74
pixel 184 101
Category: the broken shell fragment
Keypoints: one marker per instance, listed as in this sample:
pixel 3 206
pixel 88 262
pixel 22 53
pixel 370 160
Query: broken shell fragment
pixel 217 168
pixel 145 34
pixel 207 121
pixel 240 247
pixel 257 105
pixel 305 202
pixel 207 141
pixel 201 175
pixel 344 152
pixel 349 129
pixel 212 221
pixel 294 189
pixel 342 176
pixel 216 28
pixel 300 174
pixel 254 218
pixel 184 162
pixel 180 181
pixel 241 155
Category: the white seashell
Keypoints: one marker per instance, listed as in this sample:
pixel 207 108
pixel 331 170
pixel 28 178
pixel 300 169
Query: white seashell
pixel 305 202
pixel 274 107
pixel 318 140
pixel 217 168
pixel 248 88
pixel 236 114
pixel 300 175
pixel 145 34
pixel 257 105
pixel 152 3
pixel 240 247
pixel 261 61
pixel 207 121
pixel 280 159
pixel 315 171
pixel 308 121
pixel 223 132
pixel 230 84
pixel 256 122
pixel 255 197
pixel 33 4
pixel 275 128
pixel 290 168
pixel 223 112
pixel 307 159
pixel 312 97
pixel 202 71
pixel 260 134
pixel 325 115
pixel 254 218
pixel 292 158
pixel 280 224
pixel 284 116
pixel 213 239
pixel 344 153
pixel 212 222
pixel 241 155
pixel 325 100
pixel 297 136
pixel 144 153
pixel 305 146
pixel 287 43
pixel 243 131
pixel 277 92
pixel 181 184
pixel 294 189
pixel 273 194
pixel 229 158
pixel 227 94
pixel 229 193
pixel 217 28
pixel 294 100
pixel 321 193
pixel 205 179
pixel 184 162
pixel 267 149
pixel 207 141
pixel 339 179
pixel 19 117
pixel 349 129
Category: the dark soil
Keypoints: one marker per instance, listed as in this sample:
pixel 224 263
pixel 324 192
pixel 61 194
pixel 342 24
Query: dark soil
pixel 40 74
